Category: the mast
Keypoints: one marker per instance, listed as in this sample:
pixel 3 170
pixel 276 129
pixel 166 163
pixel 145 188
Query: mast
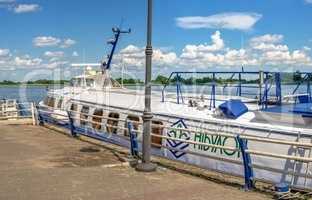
pixel 113 42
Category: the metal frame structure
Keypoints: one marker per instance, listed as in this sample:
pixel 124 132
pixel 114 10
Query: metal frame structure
pixel 265 85
pixel 307 78
pixel 13 109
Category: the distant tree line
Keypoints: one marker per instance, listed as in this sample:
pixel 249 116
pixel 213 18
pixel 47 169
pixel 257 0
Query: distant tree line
pixel 36 82
pixel 160 79
pixel 287 78
pixel 129 81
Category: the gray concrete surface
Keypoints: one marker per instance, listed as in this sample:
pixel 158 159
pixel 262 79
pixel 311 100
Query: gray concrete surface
pixel 38 163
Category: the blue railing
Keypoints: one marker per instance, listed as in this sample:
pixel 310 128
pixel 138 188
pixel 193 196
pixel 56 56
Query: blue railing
pixel 213 84
pixel 73 123
pixel 266 81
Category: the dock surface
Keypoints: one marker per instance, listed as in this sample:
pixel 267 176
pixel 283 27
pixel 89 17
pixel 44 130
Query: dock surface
pixel 38 163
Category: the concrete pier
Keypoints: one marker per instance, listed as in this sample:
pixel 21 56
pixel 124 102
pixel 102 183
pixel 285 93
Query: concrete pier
pixel 39 163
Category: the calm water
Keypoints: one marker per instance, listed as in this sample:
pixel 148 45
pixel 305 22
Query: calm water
pixel 37 93
pixel 29 94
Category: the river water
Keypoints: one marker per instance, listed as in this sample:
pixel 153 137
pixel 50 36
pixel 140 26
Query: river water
pixel 37 93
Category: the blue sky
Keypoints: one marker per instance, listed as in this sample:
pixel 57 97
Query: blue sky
pixel 188 35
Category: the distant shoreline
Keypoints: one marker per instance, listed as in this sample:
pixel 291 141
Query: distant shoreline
pixel 27 85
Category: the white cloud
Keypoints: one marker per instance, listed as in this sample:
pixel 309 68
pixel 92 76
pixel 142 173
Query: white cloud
pixel 4 52
pixel 26 62
pixel 55 64
pixel 305 48
pixel 68 43
pixel 193 50
pixel 46 41
pixel 9 61
pixel 268 42
pixel 296 58
pixel 266 50
pixel 269 47
pixel 233 21
pixel 135 57
pixel 308 1
pixel 54 54
pixel 268 38
pixel 49 41
pixel 26 8
pixel 75 54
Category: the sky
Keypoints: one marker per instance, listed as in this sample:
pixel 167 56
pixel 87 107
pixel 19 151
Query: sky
pixel 41 38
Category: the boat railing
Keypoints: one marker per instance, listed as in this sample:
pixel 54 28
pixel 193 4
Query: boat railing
pixel 11 109
pixel 213 84
pixel 266 82
pixel 231 126
pixel 87 126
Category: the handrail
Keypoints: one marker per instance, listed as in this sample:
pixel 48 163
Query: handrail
pixel 229 126
pixel 14 111
pixel 296 158
pixel 204 130
pixel 177 73
pixel 223 130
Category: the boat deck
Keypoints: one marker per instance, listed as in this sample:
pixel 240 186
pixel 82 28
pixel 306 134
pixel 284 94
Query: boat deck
pixel 294 109
pixel 170 108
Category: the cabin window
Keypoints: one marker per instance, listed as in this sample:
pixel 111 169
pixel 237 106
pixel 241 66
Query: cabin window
pixel 96 120
pixel 112 121
pixel 157 129
pixel 84 115
pixel 79 82
pixel 59 103
pixel 74 107
pixel 90 82
pixel 51 102
pixel 46 101
pixel 135 121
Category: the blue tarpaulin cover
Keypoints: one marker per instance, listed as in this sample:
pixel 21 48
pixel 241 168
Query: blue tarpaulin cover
pixel 304 99
pixel 233 108
pixel 303 108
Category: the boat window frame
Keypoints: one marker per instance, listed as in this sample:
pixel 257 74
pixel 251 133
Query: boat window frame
pixel 135 122
pixel 46 100
pixel 74 107
pixel 59 103
pixel 112 122
pixel 97 119
pixel 51 102
pixel 156 141
pixel 84 115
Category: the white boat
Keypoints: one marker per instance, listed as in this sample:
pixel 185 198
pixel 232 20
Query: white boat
pixel 194 131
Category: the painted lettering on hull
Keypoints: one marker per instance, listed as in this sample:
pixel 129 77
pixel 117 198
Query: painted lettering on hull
pixel 216 140
pixel 178 148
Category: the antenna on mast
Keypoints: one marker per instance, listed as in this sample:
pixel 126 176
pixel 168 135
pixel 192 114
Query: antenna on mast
pixel 106 65
pixel 117 31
